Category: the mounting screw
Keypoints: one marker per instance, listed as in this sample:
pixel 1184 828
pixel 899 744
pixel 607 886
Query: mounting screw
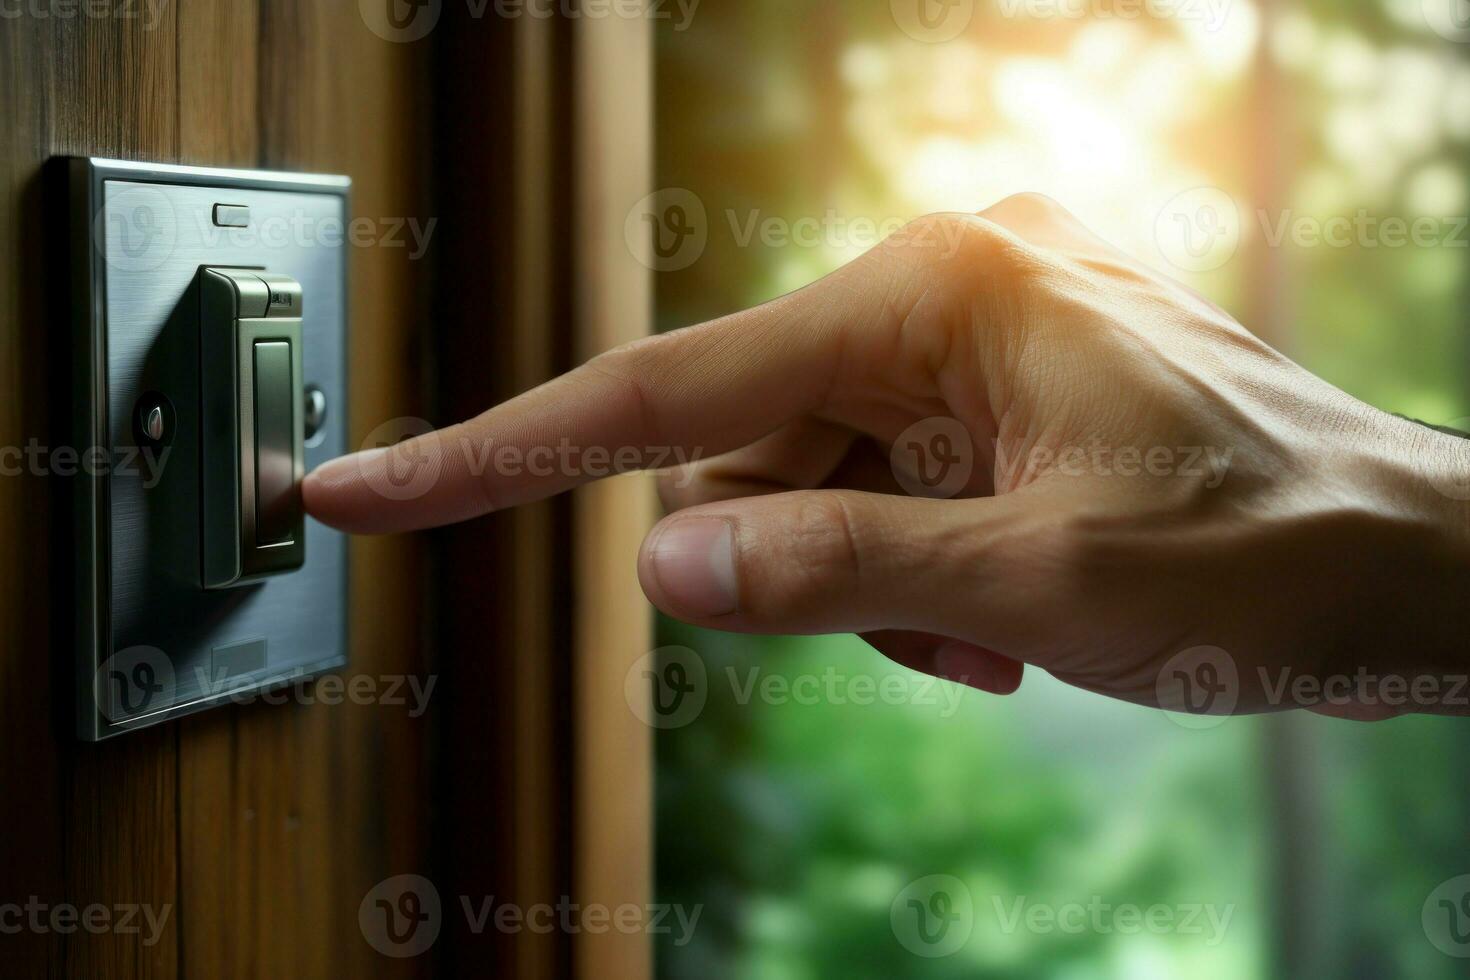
pixel 316 413
pixel 153 420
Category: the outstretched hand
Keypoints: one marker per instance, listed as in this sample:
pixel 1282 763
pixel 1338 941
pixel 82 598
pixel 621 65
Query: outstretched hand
pixel 992 441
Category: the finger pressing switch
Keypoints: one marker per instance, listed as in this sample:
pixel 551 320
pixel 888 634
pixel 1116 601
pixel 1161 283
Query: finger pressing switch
pixel 253 425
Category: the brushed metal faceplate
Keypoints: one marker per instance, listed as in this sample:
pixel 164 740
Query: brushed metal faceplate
pixel 150 642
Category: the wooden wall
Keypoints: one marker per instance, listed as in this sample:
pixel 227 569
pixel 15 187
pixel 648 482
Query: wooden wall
pixel 260 827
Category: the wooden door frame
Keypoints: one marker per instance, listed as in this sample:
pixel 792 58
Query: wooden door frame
pixel 540 614
pixel 614 760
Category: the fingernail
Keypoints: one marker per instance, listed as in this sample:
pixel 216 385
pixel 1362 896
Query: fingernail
pixel 962 663
pixel 694 562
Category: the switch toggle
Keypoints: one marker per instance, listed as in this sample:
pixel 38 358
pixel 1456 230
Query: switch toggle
pixel 253 425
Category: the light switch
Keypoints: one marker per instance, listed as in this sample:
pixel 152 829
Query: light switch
pixel 197 360
pixel 253 454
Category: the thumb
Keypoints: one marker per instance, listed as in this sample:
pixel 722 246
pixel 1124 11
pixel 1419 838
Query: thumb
pixel 830 561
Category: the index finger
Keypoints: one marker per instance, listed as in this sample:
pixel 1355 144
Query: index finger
pixel 691 393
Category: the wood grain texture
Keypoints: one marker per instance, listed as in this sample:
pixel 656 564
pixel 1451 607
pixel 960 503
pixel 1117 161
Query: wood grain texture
pixel 111 89
pixel 83 825
pixel 219 82
pixel 31 831
pixel 255 830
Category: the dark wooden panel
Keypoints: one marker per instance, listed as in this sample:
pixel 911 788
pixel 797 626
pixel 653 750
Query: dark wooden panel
pixel 256 829
pixel 503 622
pixel 540 611
pixel 84 825
pixel 30 773
pixel 260 829
pixel 112 87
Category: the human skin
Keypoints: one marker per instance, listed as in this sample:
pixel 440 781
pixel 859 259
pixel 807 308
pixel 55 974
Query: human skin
pixel 1147 478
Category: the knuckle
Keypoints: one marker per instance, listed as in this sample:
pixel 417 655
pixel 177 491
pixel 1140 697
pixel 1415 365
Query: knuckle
pixel 938 226
pixel 631 367
pixel 965 256
pixel 823 555
pixel 1026 206
pixel 957 247
pixel 823 532
pixel 628 361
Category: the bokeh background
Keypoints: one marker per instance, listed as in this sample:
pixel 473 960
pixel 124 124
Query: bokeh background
pixel 798 822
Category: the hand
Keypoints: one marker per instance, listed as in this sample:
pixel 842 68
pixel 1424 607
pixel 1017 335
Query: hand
pixel 1147 501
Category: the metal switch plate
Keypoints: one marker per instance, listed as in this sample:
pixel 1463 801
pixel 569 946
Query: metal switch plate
pixel 204 304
